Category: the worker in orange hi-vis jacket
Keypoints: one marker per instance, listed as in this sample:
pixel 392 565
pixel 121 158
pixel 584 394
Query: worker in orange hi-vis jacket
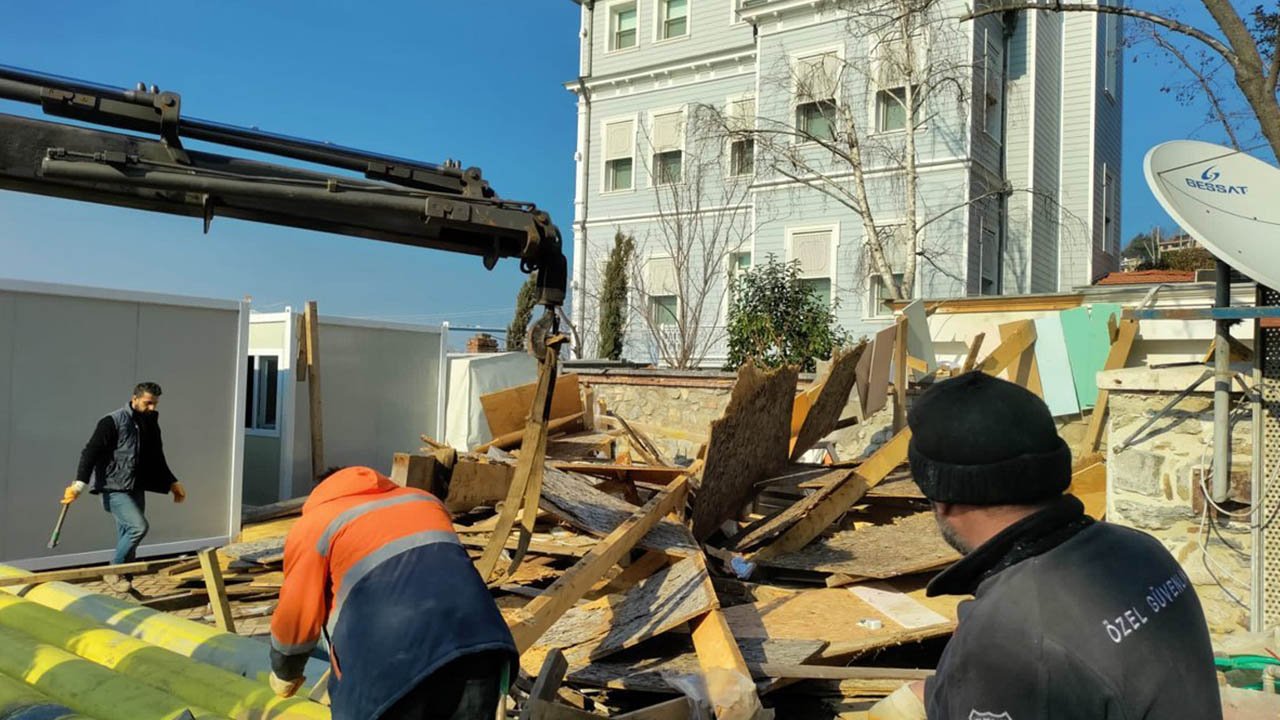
pixel 413 632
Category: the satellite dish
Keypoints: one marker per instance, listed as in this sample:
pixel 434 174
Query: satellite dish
pixel 1227 200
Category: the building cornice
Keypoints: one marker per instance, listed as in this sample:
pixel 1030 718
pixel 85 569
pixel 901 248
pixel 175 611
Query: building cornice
pixel 755 11
pixel 666 70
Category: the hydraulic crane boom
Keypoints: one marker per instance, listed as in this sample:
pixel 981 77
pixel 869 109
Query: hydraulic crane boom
pixel 402 201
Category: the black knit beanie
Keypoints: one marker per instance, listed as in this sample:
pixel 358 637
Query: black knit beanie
pixel 980 440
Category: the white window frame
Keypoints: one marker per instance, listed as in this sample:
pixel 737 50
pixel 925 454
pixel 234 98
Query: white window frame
pixel 255 402
pixel 729 141
pixel 659 10
pixel 650 165
pixel 793 59
pixel 611 20
pixel 874 61
pixel 634 119
pixel 650 295
pixel 789 249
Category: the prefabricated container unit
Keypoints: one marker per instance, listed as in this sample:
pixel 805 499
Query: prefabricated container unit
pixel 381 386
pixel 69 356
pixel 472 375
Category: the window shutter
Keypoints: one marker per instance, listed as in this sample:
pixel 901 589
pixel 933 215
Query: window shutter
pixel 668 132
pixel 817 77
pixel 813 250
pixel 661 276
pixel 617 140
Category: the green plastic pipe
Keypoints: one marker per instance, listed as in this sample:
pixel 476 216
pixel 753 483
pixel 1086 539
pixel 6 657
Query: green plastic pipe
pixel 86 687
pixel 240 655
pixel 18 701
pixel 194 682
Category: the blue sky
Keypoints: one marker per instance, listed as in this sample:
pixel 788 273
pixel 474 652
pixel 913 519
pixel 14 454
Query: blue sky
pixel 481 82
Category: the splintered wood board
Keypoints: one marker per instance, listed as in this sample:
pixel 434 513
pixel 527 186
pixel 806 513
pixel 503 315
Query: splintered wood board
pixel 831 399
pixel 777 524
pixel 646 668
pixel 657 475
pixel 910 545
pixel 661 602
pixel 899 488
pixel 572 498
pixel 263 552
pixel 265 530
pixel 507 411
pixel 877 393
pixel 836 614
pixel 747 444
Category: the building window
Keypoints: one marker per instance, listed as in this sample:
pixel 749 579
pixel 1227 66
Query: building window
pixel 664 310
pixel 879 294
pixel 619 140
pixel 742 157
pixel 818 286
pixel 891 110
pixel 262 392
pixel 673 16
pixel 668 148
pixel 993 88
pixel 742 145
pixel 817 82
pixel 812 249
pixel 623 21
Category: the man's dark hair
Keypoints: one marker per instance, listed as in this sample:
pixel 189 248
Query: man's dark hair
pixel 143 388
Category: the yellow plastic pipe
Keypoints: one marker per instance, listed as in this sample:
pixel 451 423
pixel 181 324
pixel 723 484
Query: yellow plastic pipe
pixel 86 687
pixel 209 687
pixel 240 655
pixel 18 700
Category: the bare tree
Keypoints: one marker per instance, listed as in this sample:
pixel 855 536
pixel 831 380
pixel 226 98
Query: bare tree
pixel 1249 45
pixel 680 273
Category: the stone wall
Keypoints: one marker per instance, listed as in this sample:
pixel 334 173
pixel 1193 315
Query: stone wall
pixel 1154 486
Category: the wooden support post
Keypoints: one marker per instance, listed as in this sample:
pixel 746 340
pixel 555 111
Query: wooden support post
pixel 217 591
pixel 900 375
pixel 542 612
pixel 311 328
pixel 1126 333
pixel 549 678
pixel 527 481
pixel 972 358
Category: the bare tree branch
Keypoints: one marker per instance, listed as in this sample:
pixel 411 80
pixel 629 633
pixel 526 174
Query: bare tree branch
pixel 1202 80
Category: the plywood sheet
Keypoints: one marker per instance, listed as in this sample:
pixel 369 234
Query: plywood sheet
pixel 919 341
pixel 877 393
pixel 572 498
pixel 1088 341
pixel 825 412
pixel 1090 485
pixel 777 524
pixel 1055 367
pixel 647 668
pixel 912 544
pixel 747 444
pixel 507 411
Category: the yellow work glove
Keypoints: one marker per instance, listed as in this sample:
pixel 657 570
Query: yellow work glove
pixel 901 704
pixel 178 493
pixel 284 688
pixel 70 494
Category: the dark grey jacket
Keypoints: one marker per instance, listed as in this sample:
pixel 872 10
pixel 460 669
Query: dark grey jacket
pixel 1073 619
pixel 126 453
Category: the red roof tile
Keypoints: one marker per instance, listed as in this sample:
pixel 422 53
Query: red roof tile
pixel 1148 277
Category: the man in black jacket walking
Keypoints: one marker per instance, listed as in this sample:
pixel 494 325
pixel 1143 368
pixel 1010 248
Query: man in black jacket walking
pixel 125 457
pixel 1071 619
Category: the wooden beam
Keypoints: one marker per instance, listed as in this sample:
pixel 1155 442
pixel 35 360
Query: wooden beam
pixel 680 708
pixel 869 474
pixel 1010 349
pixel 648 564
pixel 1024 370
pixel 549 678
pixel 534 619
pixel 311 328
pixel 1126 333
pixel 217 592
pixel 974 346
pixel 536 709
pixel 512 439
pixel 262 513
pixel 729 685
pixel 900 375
pixel 827 672
pixel 89 573
pixel 993 304
pixel 414 471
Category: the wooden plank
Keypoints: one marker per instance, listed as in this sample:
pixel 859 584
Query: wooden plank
pixel 680 708
pixel 567 423
pixel 971 359
pixel 217 592
pixel 250 514
pixel 573 499
pixel 660 475
pixel 777 524
pixel 529 467
pixel 650 563
pixel 1001 304
pixel 1090 485
pixel 1009 349
pixel 909 545
pixel 747 444
pixel 588 408
pixel 1118 357
pixel 827 672
pixel 646 668
pixel 542 612
pixel 879 371
pixel 729 686
pixel 416 471
pixel 507 411
pixel 180 567
pixel 645 447
pixel 900 375
pixel 1022 370
pixel 311 330
pixel 831 396
pixel 547 682
pixel 869 474
pixel 475 482
pixel 548 710
pixel 88 573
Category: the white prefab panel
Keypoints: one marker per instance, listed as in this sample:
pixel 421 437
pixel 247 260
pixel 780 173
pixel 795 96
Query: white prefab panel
pixel 471 376
pixel 193 354
pixel 267 335
pixel 75 359
pixel 617 141
pixel 813 250
pixel 379 390
pixel 668 131
pixel 661 277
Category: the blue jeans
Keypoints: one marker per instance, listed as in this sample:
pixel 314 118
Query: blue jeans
pixel 131 524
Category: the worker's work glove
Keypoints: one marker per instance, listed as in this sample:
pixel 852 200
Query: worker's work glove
pixel 901 704
pixel 70 494
pixel 285 688
pixel 179 494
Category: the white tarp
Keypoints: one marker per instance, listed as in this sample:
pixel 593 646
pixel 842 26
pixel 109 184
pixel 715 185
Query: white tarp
pixel 471 376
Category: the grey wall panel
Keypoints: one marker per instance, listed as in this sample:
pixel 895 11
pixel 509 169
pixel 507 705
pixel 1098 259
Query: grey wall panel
pixel 6 405
pixel 261 469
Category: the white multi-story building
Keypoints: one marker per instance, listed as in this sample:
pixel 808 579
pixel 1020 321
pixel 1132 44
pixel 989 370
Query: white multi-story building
pixel 1015 159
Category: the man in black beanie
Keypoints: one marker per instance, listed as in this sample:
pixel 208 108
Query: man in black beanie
pixel 1071 618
